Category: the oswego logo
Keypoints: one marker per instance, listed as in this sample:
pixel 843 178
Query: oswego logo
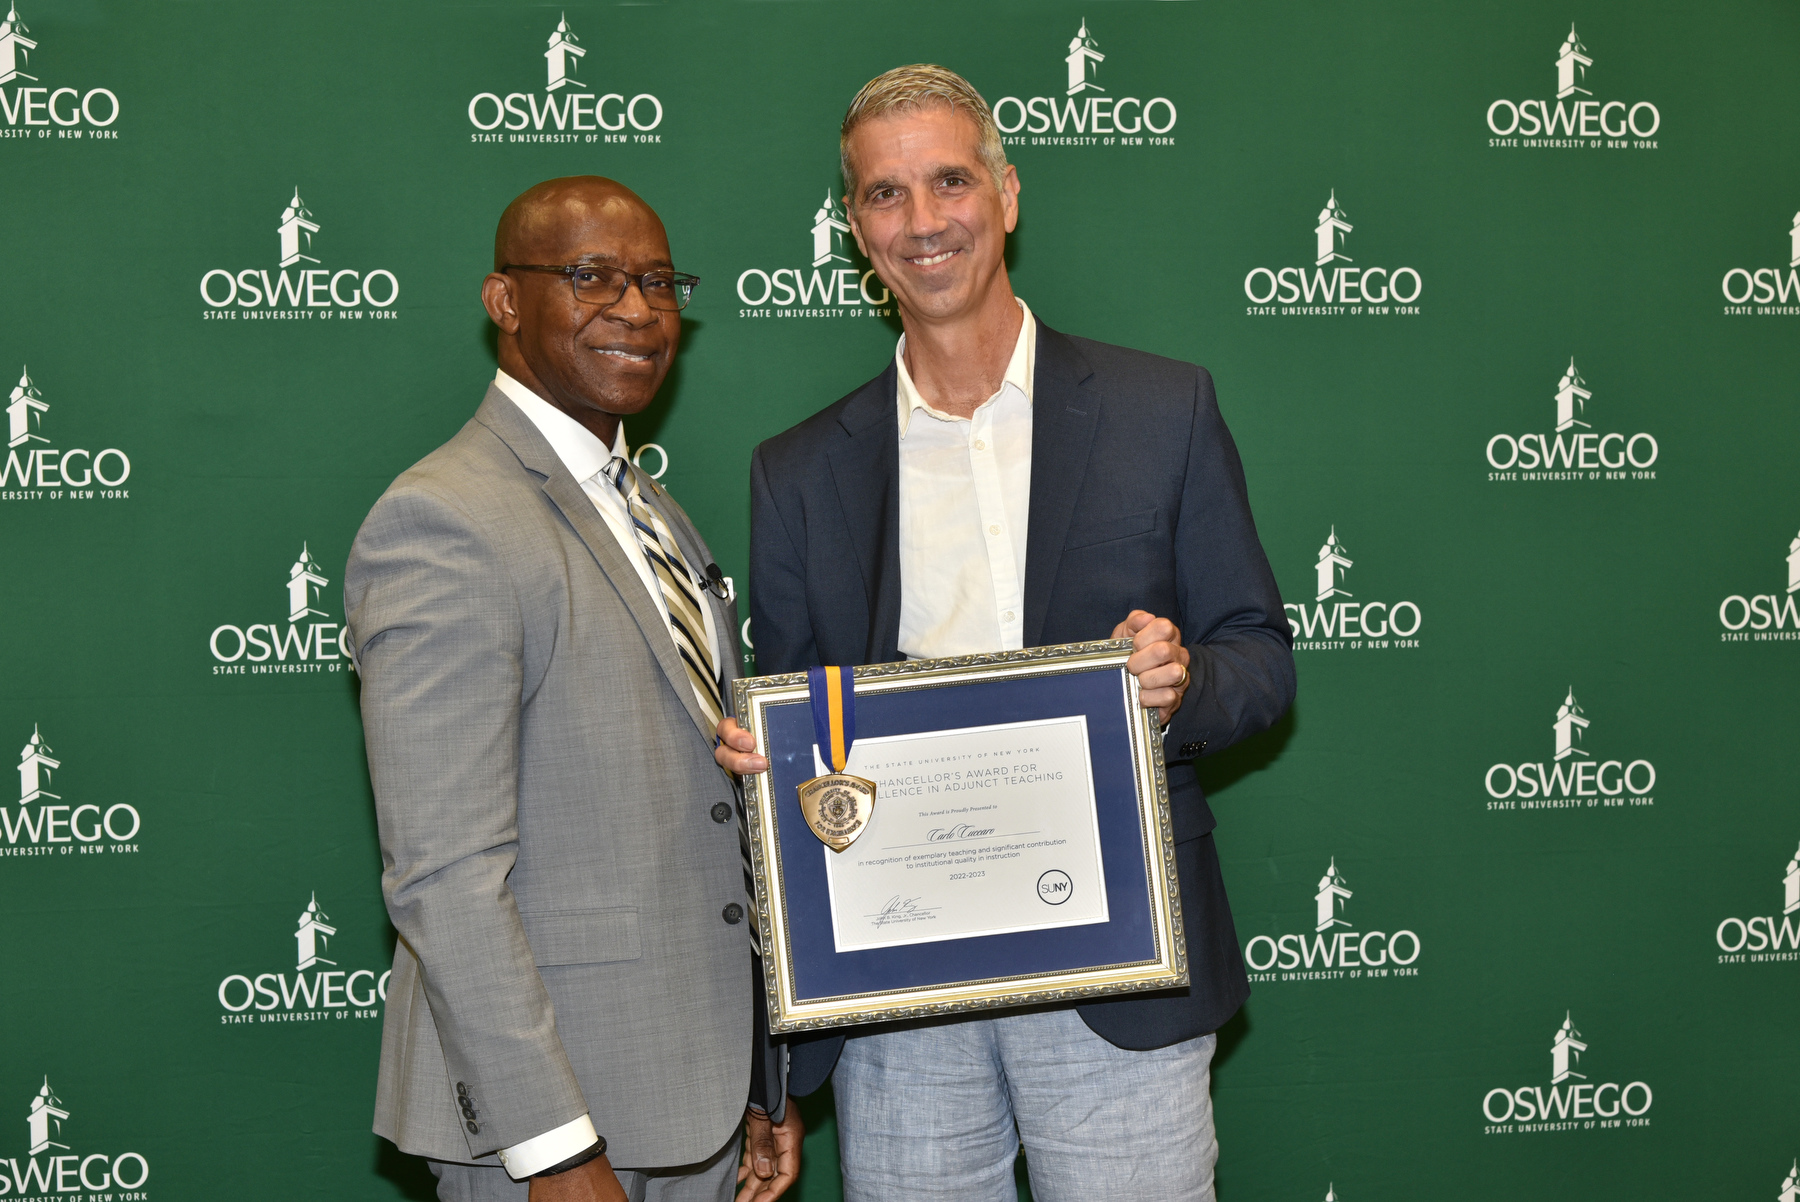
pixel 294 646
pixel 1085 114
pixel 1766 291
pixel 67 1169
pixel 317 292
pixel 824 290
pixel 1766 939
pixel 1574 778
pixel 1573 1102
pixel 53 108
pixel 34 470
pixel 572 109
pixel 46 824
pixel 1331 625
pixel 1328 953
pixel 1573 123
pixel 1790 1185
pixel 1765 617
pixel 1574 450
pixel 1332 291
pixel 332 991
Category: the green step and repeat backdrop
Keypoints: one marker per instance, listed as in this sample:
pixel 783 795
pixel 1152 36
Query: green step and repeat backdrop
pixel 1503 307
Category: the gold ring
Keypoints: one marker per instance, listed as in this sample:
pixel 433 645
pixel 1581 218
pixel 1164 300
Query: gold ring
pixel 1186 676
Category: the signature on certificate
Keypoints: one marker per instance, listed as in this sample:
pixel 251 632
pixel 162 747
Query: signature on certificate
pixel 899 909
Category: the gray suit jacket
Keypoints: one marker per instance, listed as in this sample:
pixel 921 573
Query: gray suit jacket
pixel 545 792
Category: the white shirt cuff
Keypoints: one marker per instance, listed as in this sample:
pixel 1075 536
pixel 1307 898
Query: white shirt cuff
pixel 551 1148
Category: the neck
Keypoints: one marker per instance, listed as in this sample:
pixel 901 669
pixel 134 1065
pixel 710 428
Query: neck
pixel 598 422
pixel 957 363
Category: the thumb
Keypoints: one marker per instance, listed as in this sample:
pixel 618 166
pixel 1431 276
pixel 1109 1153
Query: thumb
pixel 762 1151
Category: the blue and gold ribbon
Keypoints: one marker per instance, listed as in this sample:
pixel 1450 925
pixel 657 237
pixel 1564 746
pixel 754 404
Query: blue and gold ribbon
pixel 833 712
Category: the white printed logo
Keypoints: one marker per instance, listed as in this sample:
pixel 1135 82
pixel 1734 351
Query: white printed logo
pixel 1790 1185
pixel 1330 954
pixel 824 291
pixel 1766 291
pixel 39 473
pixel 83 828
pixel 1573 124
pixel 62 112
pixel 332 992
pixel 1766 939
pixel 63 1167
pixel 1574 779
pixel 1332 291
pixel 311 293
pixel 1348 625
pixel 571 110
pixel 1574 450
pixel 1096 119
pixel 298 646
pixel 1573 1102
pixel 1765 617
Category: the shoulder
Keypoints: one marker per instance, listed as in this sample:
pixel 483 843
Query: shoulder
pixel 467 482
pixel 1134 373
pixel 814 436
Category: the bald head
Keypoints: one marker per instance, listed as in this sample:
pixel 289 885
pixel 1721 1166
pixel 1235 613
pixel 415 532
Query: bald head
pixel 538 223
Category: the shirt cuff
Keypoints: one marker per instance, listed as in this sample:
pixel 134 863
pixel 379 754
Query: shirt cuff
pixel 552 1147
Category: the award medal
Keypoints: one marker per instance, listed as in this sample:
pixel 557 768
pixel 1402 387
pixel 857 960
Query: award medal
pixel 837 806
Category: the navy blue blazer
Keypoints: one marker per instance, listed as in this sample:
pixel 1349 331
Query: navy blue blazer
pixel 1137 502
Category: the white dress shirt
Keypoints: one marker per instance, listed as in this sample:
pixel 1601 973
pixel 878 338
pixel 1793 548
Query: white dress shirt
pixel 586 458
pixel 965 503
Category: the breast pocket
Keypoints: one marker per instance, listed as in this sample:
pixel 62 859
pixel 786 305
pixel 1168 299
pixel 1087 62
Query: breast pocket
pixel 583 936
pixel 1111 530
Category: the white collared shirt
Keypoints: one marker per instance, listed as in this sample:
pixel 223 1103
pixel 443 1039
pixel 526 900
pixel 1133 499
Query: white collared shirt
pixel 586 458
pixel 965 502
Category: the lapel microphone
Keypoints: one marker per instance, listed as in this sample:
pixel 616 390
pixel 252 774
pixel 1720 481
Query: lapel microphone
pixel 716 584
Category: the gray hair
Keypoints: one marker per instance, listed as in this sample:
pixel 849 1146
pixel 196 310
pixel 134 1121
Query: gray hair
pixel 907 89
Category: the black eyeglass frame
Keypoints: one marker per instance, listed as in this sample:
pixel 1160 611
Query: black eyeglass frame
pixel 682 282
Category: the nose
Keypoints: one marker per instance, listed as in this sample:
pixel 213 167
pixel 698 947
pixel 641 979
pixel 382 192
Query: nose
pixel 924 217
pixel 632 308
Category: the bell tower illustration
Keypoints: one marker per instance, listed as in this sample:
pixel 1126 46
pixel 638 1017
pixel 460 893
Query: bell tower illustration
pixel 1790 886
pixel 1569 394
pixel 15 47
pixel 304 582
pixel 25 409
pixel 296 223
pixel 1331 230
pixel 35 767
pixel 1568 727
pixel 1794 565
pixel 1565 1052
pixel 1332 892
pixel 45 1120
pixel 1333 562
pixel 562 56
pixel 1572 63
pixel 1790 1185
pixel 1084 59
pixel 312 936
pixel 828 233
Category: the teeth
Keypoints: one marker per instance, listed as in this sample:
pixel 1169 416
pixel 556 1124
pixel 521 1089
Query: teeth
pixel 626 355
pixel 934 259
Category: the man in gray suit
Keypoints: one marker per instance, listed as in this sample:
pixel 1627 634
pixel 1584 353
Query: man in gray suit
pixel 545 649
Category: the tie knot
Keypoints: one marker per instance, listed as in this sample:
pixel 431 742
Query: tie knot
pixel 615 472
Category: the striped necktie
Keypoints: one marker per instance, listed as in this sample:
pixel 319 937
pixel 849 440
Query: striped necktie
pixel 688 626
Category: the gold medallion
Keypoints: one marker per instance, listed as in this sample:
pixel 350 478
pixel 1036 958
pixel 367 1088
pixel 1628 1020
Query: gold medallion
pixel 837 807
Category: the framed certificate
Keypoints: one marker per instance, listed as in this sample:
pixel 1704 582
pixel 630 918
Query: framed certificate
pixel 1018 849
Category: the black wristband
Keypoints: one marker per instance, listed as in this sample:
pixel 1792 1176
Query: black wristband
pixel 597 1150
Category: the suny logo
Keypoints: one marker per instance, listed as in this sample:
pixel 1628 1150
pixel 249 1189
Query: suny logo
pixel 33 472
pixel 44 819
pixel 64 1170
pixel 1085 114
pixel 1330 625
pixel 1574 778
pixel 1574 450
pixel 572 108
pixel 296 646
pixel 1573 1101
pixel 1762 611
pixel 1573 122
pixel 64 112
pixel 1760 940
pixel 822 291
pixel 1332 289
pixel 1765 291
pixel 332 991
pixel 1329 953
pixel 315 291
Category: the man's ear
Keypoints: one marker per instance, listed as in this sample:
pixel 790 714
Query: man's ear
pixel 499 296
pixel 1009 197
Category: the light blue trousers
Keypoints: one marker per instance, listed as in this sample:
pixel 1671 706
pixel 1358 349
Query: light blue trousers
pixel 939 1111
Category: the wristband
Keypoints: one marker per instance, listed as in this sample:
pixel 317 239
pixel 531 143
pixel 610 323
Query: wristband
pixel 594 1152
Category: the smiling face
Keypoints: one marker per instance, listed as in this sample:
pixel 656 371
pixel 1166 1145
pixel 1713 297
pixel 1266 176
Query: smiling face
pixel 596 363
pixel 927 212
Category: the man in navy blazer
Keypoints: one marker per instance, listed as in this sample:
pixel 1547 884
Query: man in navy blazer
pixel 1002 485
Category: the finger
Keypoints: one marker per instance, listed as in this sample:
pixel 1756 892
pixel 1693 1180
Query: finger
pixel 1153 631
pixel 736 736
pixel 762 1152
pixel 742 763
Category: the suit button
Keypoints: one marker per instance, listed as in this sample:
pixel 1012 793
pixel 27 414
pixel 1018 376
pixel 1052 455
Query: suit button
pixel 732 914
pixel 721 812
pixel 1190 750
pixel 473 1126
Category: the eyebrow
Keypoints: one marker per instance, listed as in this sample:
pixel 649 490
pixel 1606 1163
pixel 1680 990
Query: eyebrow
pixel 935 173
pixel 607 258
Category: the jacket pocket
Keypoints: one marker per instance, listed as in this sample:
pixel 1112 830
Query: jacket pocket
pixel 583 936
pixel 1111 530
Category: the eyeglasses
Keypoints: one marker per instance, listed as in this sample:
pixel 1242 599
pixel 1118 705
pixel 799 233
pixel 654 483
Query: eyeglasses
pixel 598 284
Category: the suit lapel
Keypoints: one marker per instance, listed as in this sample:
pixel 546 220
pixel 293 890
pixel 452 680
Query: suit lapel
pixel 865 467
pixel 513 428
pixel 1064 413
